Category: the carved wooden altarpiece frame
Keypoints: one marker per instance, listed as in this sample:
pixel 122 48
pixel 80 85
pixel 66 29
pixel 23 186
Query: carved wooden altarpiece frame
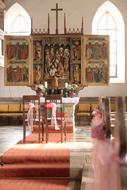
pixel 56 56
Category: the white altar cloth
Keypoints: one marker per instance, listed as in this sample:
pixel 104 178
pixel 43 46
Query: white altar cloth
pixel 67 100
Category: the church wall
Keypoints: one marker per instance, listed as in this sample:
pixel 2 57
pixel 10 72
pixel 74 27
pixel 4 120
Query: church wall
pixel 74 10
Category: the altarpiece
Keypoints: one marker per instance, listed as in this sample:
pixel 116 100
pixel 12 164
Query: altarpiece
pixel 57 60
pixel 71 57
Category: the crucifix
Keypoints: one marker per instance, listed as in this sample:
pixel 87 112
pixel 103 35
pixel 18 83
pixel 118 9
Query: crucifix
pixel 57 9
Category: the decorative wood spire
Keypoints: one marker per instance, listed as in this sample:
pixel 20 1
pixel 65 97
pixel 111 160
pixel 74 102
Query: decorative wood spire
pixel 65 29
pixel 82 26
pixel 48 23
pixel 31 25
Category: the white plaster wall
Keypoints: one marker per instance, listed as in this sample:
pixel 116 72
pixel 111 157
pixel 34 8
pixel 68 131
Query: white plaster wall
pixel 74 10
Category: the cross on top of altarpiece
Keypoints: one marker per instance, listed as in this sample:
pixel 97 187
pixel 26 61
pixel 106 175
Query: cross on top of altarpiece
pixel 57 9
pixel 47 31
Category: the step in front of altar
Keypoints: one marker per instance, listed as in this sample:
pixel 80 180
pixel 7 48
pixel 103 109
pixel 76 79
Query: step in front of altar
pixel 22 161
pixel 35 184
pixel 23 153
pixel 48 169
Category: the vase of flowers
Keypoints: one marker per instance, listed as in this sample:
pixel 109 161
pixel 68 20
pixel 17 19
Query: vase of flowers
pixel 40 89
pixel 73 90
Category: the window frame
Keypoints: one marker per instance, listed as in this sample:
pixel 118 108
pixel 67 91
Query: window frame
pixel 120 38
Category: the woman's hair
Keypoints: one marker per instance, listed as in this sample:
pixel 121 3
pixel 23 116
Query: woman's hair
pixel 96 111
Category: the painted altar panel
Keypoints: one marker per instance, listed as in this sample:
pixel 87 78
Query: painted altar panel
pixel 56 56
pixel 17 60
pixel 37 59
pixel 78 59
pixel 96 58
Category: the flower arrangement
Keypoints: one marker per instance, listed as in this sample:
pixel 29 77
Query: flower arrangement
pixel 40 89
pixel 70 90
pixel 73 90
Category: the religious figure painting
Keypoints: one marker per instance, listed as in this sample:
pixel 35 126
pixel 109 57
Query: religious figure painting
pixel 56 58
pixel 37 73
pixel 17 60
pixel 76 73
pixel 53 55
pixel 76 50
pixel 96 59
pixel 37 51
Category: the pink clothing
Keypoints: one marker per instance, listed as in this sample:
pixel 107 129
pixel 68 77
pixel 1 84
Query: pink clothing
pixel 104 165
pixel 97 125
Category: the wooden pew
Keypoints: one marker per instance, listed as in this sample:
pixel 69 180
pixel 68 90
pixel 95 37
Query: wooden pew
pixel 10 108
pixel 84 109
pixel 121 126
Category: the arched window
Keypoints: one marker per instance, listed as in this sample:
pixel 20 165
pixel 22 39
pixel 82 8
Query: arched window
pixel 17 21
pixel 108 20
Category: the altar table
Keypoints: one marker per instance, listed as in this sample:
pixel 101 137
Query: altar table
pixel 69 109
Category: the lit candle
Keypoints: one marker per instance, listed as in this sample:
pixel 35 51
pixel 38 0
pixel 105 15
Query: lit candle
pixel 66 84
pixel 46 84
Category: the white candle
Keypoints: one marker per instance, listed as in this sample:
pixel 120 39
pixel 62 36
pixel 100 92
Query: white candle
pixel 66 84
pixel 46 84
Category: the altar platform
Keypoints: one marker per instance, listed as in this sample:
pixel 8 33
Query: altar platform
pixel 79 146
